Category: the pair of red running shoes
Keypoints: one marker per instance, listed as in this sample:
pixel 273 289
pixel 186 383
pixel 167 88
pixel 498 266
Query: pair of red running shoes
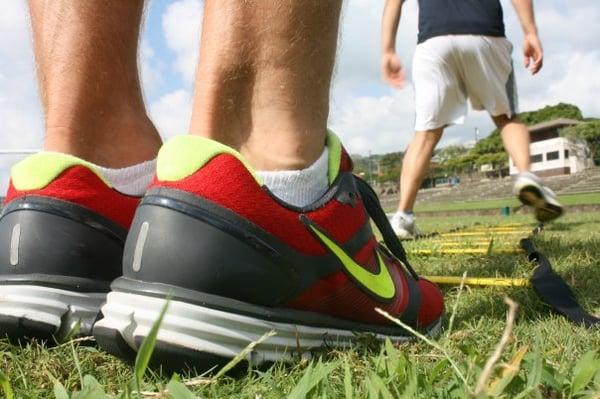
pixel 233 260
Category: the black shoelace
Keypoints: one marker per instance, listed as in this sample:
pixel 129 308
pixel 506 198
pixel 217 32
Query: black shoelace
pixel 380 219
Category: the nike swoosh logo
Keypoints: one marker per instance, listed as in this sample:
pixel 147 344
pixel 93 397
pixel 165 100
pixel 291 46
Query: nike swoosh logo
pixel 379 284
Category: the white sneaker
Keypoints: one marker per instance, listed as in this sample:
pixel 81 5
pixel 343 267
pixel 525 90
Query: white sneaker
pixel 404 226
pixel 531 191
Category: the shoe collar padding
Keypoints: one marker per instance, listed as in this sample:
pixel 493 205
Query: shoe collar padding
pixel 182 156
pixel 38 170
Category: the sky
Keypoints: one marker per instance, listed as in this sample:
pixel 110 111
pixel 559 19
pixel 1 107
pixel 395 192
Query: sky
pixel 369 116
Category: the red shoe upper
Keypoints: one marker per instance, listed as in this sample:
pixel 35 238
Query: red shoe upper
pixel 226 181
pixel 79 185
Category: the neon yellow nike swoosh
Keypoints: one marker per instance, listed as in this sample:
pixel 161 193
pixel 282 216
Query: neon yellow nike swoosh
pixel 380 284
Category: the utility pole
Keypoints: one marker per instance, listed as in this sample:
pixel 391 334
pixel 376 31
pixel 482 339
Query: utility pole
pixel 476 134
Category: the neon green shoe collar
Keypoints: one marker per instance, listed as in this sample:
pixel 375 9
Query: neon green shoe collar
pixel 182 156
pixel 38 170
pixel 334 146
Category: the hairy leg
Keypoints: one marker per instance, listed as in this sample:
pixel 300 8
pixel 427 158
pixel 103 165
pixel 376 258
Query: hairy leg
pixel 415 165
pixel 262 84
pixel 515 137
pixel 86 53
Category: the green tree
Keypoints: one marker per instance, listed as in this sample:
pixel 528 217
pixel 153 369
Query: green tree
pixel 498 160
pixel 392 160
pixel 461 164
pixel 489 145
pixel 560 110
pixel 450 152
pixel 590 133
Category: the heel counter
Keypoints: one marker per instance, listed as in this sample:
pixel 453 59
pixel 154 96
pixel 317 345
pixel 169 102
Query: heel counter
pixel 43 236
pixel 204 253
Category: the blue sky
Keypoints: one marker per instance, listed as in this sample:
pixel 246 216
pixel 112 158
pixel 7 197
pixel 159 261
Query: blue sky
pixel 368 115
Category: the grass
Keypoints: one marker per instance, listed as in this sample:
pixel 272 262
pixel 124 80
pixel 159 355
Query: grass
pixel 571 199
pixel 545 356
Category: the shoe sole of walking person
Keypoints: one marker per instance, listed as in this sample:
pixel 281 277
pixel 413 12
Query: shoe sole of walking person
pixel 531 192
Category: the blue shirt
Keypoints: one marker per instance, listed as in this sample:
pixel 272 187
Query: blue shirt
pixel 459 17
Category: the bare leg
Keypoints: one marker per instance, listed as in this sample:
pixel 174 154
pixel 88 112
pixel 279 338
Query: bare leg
pixel 262 84
pixel 515 137
pixel 415 165
pixel 86 53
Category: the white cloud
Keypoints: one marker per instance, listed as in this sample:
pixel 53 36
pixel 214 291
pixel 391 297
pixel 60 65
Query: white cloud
pixel 359 47
pixel 571 78
pixel 151 69
pixel 372 123
pixel 171 113
pixel 181 26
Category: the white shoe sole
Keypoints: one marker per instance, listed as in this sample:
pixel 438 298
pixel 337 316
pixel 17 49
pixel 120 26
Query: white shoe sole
pixel 46 313
pixel 403 234
pixel 197 336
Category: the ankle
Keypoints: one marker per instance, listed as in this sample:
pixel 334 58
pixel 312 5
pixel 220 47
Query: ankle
pixel 112 142
pixel 405 214
pixel 282 150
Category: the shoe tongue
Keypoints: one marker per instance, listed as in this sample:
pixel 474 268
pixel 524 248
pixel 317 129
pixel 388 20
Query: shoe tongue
pixel 339 160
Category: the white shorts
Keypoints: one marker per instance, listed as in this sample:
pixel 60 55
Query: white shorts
pixel 449 69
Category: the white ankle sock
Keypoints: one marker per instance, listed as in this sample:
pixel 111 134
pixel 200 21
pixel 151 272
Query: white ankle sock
pixel 299 187
pixel 407 216
pixel 131 180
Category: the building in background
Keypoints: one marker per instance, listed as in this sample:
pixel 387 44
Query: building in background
pixel 552 154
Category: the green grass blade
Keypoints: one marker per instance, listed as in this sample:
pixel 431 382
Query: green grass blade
pixel 508 374
pixel 437 370
pixel 77 365
pixel 179 391
pixel 242 355
pixel 311 378
pixel 534 377
pixel 456 302
pixel 91 383
pixel 584 371
pixel 348 389
pixel 5 385
pixel 413 383
pixel 60 392
pixel 145 352
pixel 392 358
pixel 378 387
pixel 427 341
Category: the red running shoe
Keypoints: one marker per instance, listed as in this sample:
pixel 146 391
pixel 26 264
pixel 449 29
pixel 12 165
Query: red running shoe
pixel 237 262
pixel 62 232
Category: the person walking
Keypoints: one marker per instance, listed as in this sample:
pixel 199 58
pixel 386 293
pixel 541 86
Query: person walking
pixel 462 54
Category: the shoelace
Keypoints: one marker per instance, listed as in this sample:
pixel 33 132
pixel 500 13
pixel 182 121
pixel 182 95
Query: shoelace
pixel 382 222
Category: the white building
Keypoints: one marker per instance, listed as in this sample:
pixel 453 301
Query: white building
pixel 554 155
